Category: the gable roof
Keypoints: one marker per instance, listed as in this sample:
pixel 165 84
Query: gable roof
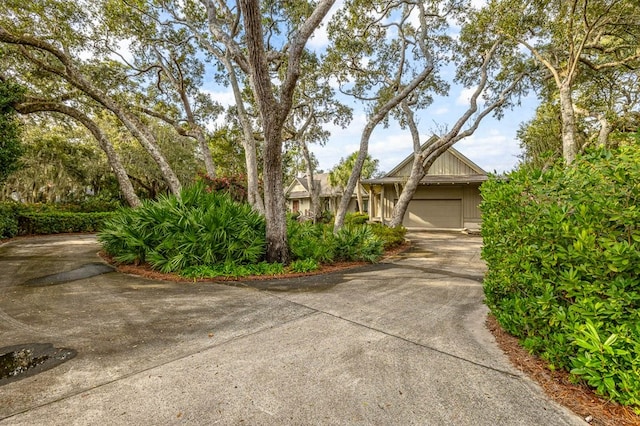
pixel 299 188
pixel 452 162
pixel 450 167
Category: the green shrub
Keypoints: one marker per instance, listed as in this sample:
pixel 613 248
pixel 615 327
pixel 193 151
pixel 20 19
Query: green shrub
pixel 9 212
pixel 303 265
pixel 392 237
pixel 60 222
pixel 200 228
pixel 563 254
pixel 356 218
pixel 358 243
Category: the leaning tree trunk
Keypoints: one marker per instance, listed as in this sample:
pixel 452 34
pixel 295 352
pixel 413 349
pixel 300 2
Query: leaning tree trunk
pixel 416 175
pixel 569 143
pixel 75 77
pixel 248 141
pixel 112 156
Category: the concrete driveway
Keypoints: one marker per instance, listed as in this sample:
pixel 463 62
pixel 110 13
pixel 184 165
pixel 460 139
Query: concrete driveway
pixel 399 343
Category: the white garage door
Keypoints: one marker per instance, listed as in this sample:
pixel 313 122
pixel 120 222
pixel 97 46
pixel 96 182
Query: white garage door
pixel 433 214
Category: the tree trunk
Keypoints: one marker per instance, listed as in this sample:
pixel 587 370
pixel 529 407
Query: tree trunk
pixel 248 141
pixel 272 122
pixel 605 130
pixel 355 175
pixel 569 144
pixel 416 175
pixel 314 190
pixel 364 141
pixel 209 166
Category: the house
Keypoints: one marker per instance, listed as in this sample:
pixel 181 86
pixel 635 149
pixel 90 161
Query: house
pixel 299 197
pixel 448 196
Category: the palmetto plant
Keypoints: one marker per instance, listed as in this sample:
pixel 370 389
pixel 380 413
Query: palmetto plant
pixel 200 228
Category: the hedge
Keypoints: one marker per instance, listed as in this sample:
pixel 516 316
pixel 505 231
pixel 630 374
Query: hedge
pixel 563 254
pixel 21 219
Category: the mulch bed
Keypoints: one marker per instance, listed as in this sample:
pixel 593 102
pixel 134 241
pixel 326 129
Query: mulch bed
pixel 578 398
pixel 145 270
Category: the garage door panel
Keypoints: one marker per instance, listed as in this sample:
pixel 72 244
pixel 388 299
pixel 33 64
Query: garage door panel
pixel 433 214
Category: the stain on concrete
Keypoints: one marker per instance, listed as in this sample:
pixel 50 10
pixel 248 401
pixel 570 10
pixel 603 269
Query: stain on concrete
pixel 85 271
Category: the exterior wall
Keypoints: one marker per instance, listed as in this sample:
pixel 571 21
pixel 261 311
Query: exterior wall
pixel 469 194
pixel 471 207
pixel 446 164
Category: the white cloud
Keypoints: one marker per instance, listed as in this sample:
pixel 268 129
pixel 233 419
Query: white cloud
pixel 123 52
pixel 465 96
pixel 492 149
pixel 224 97
pixel 320 38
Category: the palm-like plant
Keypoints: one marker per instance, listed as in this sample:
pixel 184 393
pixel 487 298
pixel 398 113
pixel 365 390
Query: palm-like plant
pixel 199 228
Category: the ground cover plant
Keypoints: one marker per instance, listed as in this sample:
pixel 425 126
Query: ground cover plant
pixel 206 234
pixel 563 254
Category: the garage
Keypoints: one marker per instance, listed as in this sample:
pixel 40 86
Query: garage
pixel 433 214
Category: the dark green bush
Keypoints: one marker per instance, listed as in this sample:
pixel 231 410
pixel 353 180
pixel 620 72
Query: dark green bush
pixel 356 218
pixel 563 254
pixel 318 242
pixel 9 212
pixel 200 228
pixel 232 270
pixel 59 222
pixel 392 237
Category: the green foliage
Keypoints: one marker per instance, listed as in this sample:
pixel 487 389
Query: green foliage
pixel 303 266
pixel 27 219
pixel 9 219
pixel 30 223
pixel 10 146
pixel 318 242
pixel 356 218
pixel 200 228
pixel 339 175
pixel 358 243
pixel 563 254
pixel 392 237
pixel 231 269
pixel 309 241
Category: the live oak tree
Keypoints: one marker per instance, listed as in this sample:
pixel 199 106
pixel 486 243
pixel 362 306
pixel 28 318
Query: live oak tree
pixel 606 106
pixel 491 93
pixel 274 104
pixel 567 38
pixel 314 106
pixel 166 61
pixel 11 148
